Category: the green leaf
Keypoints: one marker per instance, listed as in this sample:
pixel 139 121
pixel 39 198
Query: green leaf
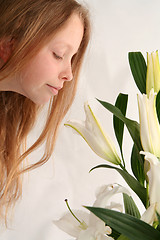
pixel 158 105
pixel 118 124
pixel 158 227
pixel 130 180
pixel 130 206
pixel 114 234
pixel 132 126
pixel 137 165
pixel 139 69
pixel 131 227
pixel 158 216
pixel 122 237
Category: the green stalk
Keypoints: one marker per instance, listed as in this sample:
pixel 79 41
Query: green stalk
pixel 123 167
pixel 72 212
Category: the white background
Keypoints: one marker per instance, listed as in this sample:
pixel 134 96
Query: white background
pixel 118 26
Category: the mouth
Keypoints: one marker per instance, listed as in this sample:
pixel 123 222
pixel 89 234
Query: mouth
pixel 54 90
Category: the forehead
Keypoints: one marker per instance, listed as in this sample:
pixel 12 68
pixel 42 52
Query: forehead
pixel 70 34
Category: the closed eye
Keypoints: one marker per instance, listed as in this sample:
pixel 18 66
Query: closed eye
pixel 57 56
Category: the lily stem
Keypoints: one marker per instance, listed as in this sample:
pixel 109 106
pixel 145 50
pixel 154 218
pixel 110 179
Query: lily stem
pixel 71 211
pixel 123 167
pixel 123 159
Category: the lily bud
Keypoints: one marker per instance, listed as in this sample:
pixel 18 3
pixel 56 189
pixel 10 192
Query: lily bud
pixel 93 134
pixel 153 73
pixel 149 124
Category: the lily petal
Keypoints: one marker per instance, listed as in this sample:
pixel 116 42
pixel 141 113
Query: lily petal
pixel 106 192
pixel 149 215
pixel 91 228
pixel 70 225
pixel 153 73
pixel 154 178
pixel 103 197
pixel 149 125
pixel 93 134
pixel 114 205
pixel 91 234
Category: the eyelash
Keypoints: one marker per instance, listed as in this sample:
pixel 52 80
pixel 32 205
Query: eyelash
pixel 57 57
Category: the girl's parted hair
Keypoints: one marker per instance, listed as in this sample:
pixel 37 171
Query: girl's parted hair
pixel 31 24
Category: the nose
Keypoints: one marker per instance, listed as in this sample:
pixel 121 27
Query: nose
pixel 66 73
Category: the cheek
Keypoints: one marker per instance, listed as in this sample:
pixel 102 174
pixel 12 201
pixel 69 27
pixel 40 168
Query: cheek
pixel 35 75
pixel 38 72
pixel 42 69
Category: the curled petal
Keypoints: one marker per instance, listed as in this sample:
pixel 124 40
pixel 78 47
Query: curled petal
pixel 154 182
pixel 149 215
pixel 103 196
pixel 106 192
pixel 153 178
pixel 93 134
pixel 114 205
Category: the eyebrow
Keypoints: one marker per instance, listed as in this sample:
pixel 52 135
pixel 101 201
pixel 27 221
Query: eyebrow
pixel 65 44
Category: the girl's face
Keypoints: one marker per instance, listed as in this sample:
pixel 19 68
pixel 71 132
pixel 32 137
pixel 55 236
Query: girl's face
pixel 46 73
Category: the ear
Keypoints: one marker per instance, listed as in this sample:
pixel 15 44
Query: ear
pixel 6 49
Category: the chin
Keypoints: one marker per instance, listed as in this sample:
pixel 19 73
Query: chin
pixel 39 98
pixel 41 101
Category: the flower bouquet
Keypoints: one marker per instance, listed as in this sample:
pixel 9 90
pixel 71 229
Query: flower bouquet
pixel 107 220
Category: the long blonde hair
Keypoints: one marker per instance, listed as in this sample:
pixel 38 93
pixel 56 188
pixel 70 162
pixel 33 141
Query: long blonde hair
pixel 32 23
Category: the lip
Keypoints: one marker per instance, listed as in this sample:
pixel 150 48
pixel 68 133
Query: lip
pixel 54 90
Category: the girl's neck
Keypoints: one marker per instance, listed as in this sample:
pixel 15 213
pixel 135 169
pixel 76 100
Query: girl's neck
pixel 8 84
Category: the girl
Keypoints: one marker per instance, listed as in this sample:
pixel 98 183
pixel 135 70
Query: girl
pixel 42 45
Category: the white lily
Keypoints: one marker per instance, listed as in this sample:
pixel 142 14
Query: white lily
pixel 91 227
pixel 154 182
pixel 93 134
pixel 149 125
pixel 153 73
